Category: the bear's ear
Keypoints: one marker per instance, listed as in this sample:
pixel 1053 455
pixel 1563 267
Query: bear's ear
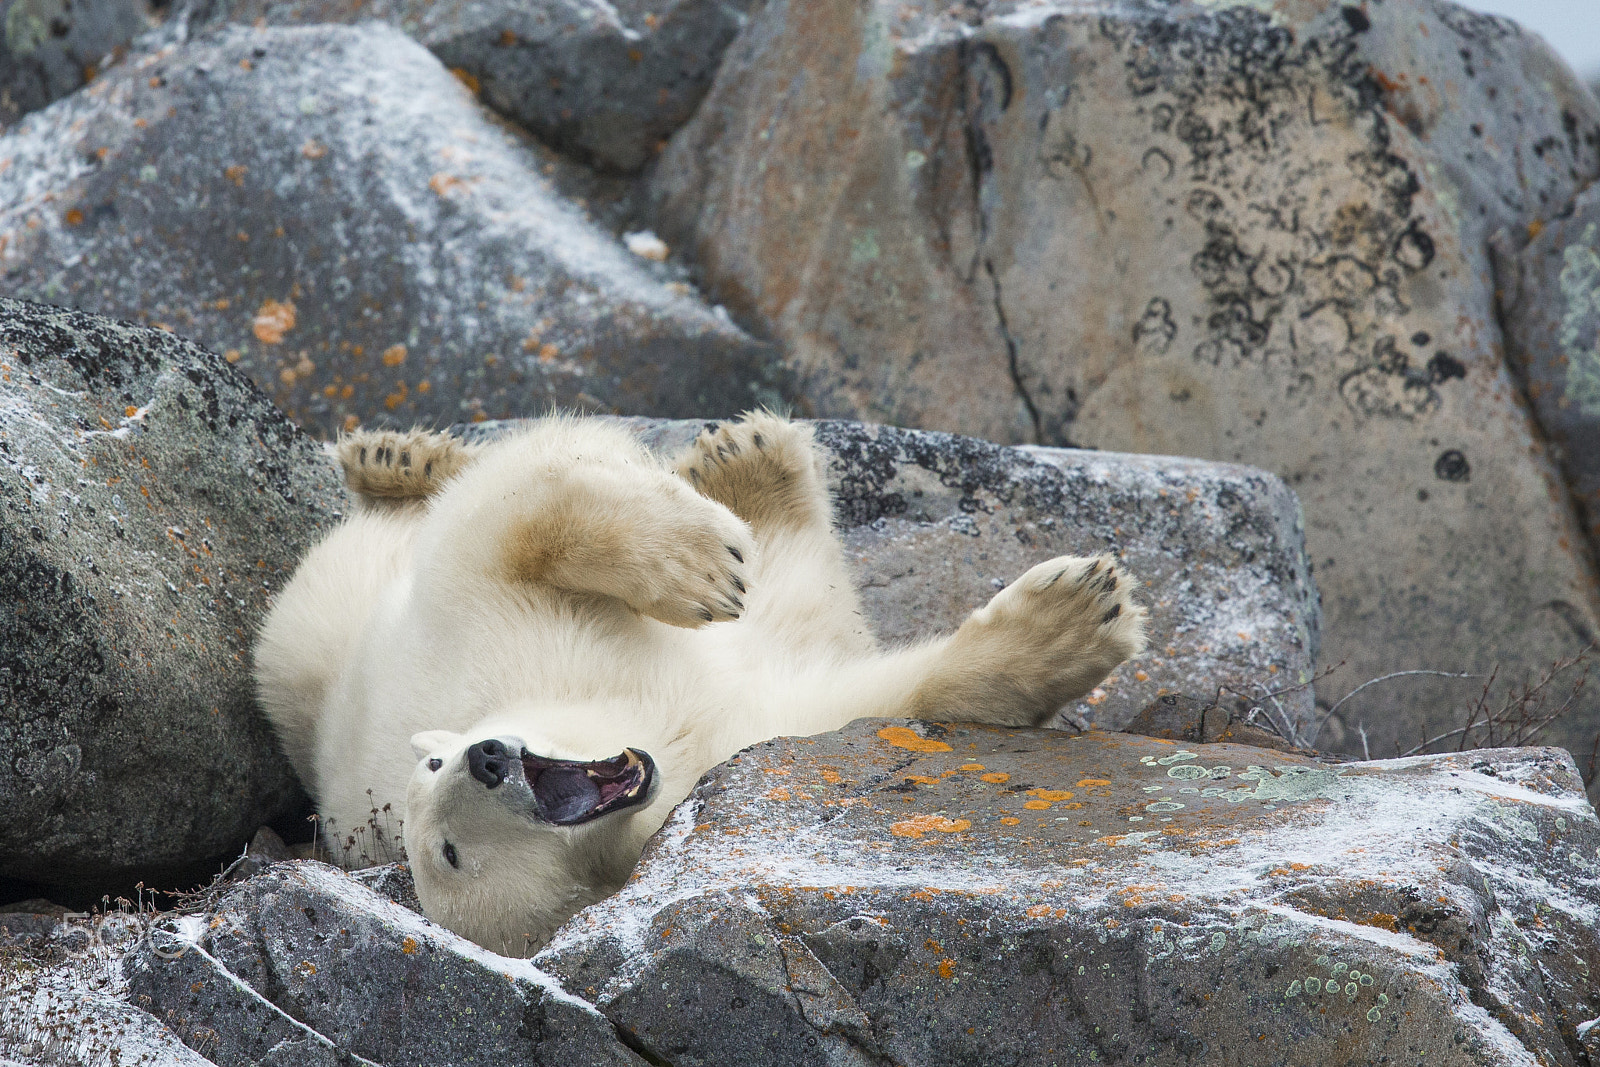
pixel 430 741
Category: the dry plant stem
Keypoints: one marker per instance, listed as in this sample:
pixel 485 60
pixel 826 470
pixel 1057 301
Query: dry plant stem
pixel 1520 719
pixel 1321 722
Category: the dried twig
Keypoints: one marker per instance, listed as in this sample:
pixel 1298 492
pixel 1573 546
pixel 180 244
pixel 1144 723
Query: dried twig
pixel 1521 717
pixel 1317 730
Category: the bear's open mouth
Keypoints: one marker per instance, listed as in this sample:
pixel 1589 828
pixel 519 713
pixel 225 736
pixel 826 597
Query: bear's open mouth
pixel 570 792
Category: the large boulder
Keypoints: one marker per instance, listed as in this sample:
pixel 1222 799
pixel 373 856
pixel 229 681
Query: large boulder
pixel 151 500
pixel 50 48
pixel 331 209
pixel 934 524
pixel 607 83
pixel 1247 232
pixel 918 894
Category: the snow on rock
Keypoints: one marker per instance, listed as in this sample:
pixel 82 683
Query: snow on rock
pixel 330 208
pixel 937 894
pixel 151 500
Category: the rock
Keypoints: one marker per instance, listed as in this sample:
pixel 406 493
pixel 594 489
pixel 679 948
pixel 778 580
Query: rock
pixel 1550 298
pixel 52 47
pixel 358 234
pixel 605 83
pixel 923 894
pixel 28 921
pixel 933 525
pixel 392 880
pixel 302 964
pixel 151 499
pixel 1182 718
pixel 1241 231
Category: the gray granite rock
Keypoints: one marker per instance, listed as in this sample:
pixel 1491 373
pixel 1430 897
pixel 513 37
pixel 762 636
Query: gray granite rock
pixel 151 500
pixel 330 208
pixel 50 48
pixel 1242 231
pixel 920 894
pixel 1550 300
pixel 302 964
pixel 934 524
pixel 607 83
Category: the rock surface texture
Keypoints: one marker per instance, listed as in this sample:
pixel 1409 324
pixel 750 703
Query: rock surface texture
pixel 151 499
pixel 50 48
pixel 607 83
pixel 914 894
pixel 934 525
pixel 1247 232
pixel 1550 294
pixel 330 208
pixel 304 965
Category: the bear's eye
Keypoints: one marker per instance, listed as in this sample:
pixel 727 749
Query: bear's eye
pixel 450 855
pixel 435 764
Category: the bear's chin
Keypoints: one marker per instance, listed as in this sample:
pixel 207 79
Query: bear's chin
pixel 570 792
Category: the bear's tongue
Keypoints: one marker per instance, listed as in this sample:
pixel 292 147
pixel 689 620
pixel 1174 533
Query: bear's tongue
pixel 570 791
pixel 566 793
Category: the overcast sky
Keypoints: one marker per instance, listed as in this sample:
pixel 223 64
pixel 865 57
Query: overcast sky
pixel 1571 26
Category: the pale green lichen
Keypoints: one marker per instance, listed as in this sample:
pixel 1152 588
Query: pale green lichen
pixel 1580 290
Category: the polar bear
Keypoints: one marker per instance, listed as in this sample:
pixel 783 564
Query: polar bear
pixel 525 654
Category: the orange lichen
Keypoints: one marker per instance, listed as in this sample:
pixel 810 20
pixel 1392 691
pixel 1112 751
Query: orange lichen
pixel 394 355
pixel 409 946
pixel 466 78
pixel 922 779
pixel 903 737
pixel 1036 805
pixel 995 777
pixel 1090 783
pixel 1051 794
pixel 831 777
pixel 272 320
pixel 1038 911
pixel 972 767
pixel 918 825
pixel 947 968
pixel 1009 820
pixel 236 173
pixel 74 217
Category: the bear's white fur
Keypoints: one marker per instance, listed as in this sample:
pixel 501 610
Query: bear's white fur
pixel 491 625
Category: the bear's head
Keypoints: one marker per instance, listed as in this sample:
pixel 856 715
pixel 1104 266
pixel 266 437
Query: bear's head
pixel 508 835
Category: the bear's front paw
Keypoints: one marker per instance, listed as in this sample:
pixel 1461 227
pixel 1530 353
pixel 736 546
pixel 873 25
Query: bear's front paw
pixel 700 571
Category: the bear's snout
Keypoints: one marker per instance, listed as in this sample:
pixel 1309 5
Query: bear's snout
pixel 490 762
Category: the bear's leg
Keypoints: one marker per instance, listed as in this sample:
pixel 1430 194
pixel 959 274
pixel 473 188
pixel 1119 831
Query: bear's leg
pixel 578 507
pixel 1045 640
pixel 766 470
pixel 389 468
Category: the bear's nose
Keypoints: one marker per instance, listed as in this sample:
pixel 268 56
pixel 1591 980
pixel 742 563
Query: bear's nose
pixel 490 762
